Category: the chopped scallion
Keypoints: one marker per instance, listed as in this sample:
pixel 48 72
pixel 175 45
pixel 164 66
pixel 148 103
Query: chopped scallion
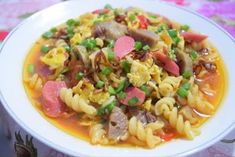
pixel 133 101
pixel 172 33
pixel 187 74
pixel 145 89
pixel 45 48
pixel 99 84
pixel 53 29
pixel 138 45
pixel 121 86
pixel 182 92
pixel 79 75
pixel 106 71
pixel 193 55
pixel 106 109
pixel 146 47
pixel 126 66
pixel 132 17
pixel 111 90
pixel 121 95
pixel 31 68
pixel 184 28
pixel 47 35
pixel 108 6
pixel 110 55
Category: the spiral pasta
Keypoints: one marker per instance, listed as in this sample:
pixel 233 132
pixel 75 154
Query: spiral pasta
pixel 145 133
pixel 97 134
pixel 35 82
pixel 166 107
pixel 195 99
pixel 169 85
pixel 76 102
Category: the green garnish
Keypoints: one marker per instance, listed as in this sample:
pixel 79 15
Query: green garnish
pixel 79 75
pixel 138 45
pixel 45 48
pixel 121 86
pixel 162 27
pixel 67 48
pixel 106 71
pixel 126 66
pixel 106 109
pixel 183 90
pixel 186 86
pixel 53 29
pixel 193 55
pixel 111 44
pixel 47 35
pixel 108 6
pixel 72 22
pixel 186 74
pixel 184 28
pixel 172 54
pixel 110 55
pixel 31 68
pixel 145 89
pixel 153 16
pixel 132 17
pixel 89 43
pixel 111 90
pixel 176 40
pixel 99 84
pixel 121 95
pixel 133 101
pixel 146 47
pixel 172 33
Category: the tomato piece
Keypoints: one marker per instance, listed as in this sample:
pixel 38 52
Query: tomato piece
pixel 167 136
pixel 133 93
pixel 193 36
pixel 101 11
pixel 123 46
pixel 143 21
pixel 168 64
pixel 52 105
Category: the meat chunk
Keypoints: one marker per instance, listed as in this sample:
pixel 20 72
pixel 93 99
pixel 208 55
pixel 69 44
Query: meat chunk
pixel 109 30
pixel 145 36
pixel 143 116
pixel 139 114
pixel 118 124
pixel 184 61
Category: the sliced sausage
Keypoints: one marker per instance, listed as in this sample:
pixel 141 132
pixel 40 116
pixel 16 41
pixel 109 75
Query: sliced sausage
pixel 133 92
pixel 123 46
pixel 193 36
pixel 52 105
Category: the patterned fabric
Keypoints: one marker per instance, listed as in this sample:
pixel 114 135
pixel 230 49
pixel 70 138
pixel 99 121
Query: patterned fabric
pixel 221 11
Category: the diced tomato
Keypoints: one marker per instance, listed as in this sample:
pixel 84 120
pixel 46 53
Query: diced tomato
pixel 101 11
pixel 52 105
pixel 193 36
pixel 168 64
pixel 132 92
pixel 123 46
pixel 143 21
pixel 167 136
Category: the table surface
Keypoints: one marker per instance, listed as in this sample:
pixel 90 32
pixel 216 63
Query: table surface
pixel 221 11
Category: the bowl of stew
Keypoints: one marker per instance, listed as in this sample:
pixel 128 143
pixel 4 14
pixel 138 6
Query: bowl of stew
pixel 127 78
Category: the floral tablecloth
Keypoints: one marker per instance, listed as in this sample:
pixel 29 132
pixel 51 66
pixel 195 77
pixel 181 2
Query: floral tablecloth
pixel 13 12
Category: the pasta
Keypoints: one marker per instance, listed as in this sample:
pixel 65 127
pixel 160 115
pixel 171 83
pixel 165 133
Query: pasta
pixel 169 85
pixel 145 134
pixel 76 102
pixel 35 82
pixel 126 77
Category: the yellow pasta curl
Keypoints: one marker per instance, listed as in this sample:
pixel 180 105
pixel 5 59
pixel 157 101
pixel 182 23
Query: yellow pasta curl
pixel 35 82
pixel 97 134
pixel 76 102
pixel 145 133
pixel 169 85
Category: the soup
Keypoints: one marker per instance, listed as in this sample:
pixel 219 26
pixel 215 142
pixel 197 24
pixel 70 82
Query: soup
pixel 125 77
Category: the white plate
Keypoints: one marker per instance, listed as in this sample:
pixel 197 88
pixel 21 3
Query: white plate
pixel 13 96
